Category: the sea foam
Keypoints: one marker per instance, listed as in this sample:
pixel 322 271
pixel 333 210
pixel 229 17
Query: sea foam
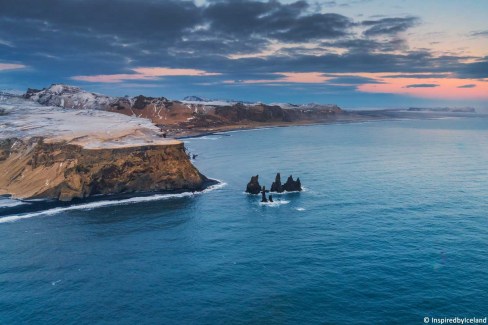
pixel 99 204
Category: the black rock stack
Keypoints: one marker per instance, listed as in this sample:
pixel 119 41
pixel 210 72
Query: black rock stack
pixel 253 186
pixel 263 195
pixel 291 185
pixel 276 186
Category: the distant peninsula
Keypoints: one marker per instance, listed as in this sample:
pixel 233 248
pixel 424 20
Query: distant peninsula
pixel 443 109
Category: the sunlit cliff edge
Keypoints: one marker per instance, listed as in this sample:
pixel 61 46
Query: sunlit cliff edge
pixel 54 153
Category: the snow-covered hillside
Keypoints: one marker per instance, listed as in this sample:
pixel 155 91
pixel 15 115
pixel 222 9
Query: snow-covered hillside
pixel 90 128
pixel 69 97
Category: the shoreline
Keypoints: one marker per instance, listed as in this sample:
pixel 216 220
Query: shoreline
pixel 29 206
pixel 357 117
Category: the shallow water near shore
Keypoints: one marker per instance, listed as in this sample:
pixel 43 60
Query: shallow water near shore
pixel 392 228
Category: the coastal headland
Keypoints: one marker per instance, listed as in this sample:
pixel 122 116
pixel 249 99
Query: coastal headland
pixel 53 153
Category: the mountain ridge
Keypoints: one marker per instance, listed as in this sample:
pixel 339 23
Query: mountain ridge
pixel 181 118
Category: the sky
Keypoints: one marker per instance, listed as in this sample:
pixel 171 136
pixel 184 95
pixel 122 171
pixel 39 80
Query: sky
pixel 356 53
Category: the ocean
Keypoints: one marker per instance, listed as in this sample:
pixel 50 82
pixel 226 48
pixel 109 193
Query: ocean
pixel 391 227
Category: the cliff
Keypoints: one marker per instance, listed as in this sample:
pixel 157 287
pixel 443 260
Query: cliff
pixel 48 152
pixel 35 169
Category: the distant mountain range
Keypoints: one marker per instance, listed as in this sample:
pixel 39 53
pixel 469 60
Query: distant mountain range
pixel 188 114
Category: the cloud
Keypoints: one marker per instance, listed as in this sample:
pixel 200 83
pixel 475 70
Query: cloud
pixel 482 33
pixel 286 77
pixel 389 26
pixel 366 45
pixel 422 86
pixel 353 80
pixel 165 72
pixel 272 20
pixel 467 86
pixel 418 75
pixel 145 73
pixel 477 70
pixel 266 42
pixel 11 66
pixel 6 43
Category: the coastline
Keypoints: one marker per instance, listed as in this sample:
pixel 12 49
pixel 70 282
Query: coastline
pixel 359 116
pixel 31 208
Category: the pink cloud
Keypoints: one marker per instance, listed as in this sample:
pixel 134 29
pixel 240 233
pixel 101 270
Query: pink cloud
pixel 144 73
pixel 288 77
pixel 160 72
pixel 112 78
pixel 11 66
pixel 446 88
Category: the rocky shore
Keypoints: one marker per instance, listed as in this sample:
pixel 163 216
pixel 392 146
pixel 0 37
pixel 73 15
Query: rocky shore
pixel 36 169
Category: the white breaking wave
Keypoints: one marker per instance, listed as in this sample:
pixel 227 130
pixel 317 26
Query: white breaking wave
pixel 274 203
pixel 99 204
pixel 9 203
pixel 205 137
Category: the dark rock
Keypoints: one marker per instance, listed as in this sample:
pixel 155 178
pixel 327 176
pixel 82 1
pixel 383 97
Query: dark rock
pixel 253 186
pixel 276 186
pixel 291 185
pixel 30 92
pixel 270 198
pixel 263 195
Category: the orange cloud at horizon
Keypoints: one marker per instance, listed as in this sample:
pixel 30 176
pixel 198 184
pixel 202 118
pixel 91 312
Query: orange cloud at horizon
pixel 445 88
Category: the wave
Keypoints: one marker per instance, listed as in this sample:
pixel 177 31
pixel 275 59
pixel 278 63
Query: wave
pixel 9 203
pixel 205 137
pixel 274 203
pixel 304 189
pixel 100 204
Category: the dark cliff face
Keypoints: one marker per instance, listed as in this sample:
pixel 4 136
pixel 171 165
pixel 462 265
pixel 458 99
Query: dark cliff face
pixel 35 169
pixel 141 102
pixel 266 113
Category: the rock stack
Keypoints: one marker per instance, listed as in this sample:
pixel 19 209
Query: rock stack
pixel 291 185
pixel 253 186
pixel 276 186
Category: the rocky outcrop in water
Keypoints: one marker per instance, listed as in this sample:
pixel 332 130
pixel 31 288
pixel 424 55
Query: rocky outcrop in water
pixel 263 195
pixel 253 186
pixel 276 186
pixel 291 185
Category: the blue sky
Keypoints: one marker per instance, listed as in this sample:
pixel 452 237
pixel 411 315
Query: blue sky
pixel 358 53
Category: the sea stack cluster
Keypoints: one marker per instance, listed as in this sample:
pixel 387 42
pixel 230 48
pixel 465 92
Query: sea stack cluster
pixel 253 187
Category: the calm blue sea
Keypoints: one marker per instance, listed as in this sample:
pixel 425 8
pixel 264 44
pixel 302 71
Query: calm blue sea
pixel 392 227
